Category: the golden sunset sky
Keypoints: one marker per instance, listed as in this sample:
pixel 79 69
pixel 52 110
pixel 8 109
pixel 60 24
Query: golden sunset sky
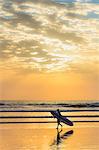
pixel 49 50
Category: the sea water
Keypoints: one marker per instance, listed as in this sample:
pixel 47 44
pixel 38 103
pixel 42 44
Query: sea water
pixel 39 131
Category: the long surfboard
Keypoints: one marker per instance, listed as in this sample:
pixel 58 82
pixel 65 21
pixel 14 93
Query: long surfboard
pixel 61 118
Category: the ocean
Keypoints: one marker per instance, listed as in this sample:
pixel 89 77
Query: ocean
pixel 29 125
pixel 77 110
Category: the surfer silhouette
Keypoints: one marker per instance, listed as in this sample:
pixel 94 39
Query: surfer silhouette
pixel 60 118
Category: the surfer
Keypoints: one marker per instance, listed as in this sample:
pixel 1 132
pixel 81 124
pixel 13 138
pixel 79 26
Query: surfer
pixel 56 114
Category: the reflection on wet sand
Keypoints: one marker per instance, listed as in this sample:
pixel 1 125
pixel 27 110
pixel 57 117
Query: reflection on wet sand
pixel 60 137
pixel 46 137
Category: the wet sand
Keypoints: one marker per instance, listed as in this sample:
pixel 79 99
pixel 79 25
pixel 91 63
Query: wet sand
pixel 82 136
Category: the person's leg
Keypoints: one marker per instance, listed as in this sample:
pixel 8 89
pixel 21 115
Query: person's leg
pixel 58 122
pixel 61 124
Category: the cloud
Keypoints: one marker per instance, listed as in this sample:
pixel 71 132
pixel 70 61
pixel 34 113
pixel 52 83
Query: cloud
pixel 45 36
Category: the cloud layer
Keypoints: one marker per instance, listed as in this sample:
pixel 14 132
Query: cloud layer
pixel 44 36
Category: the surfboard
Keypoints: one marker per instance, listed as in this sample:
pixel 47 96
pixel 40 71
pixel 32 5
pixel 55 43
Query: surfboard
pixel 61 118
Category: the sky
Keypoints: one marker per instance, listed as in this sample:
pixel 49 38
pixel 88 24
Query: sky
pixel 49 50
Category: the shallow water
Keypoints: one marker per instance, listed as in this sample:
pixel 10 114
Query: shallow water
pixel 25 111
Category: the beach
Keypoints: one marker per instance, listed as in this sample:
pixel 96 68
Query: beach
pixel 25 125
pixel 83 136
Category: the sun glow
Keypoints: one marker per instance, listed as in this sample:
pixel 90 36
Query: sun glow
pixel 45 37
